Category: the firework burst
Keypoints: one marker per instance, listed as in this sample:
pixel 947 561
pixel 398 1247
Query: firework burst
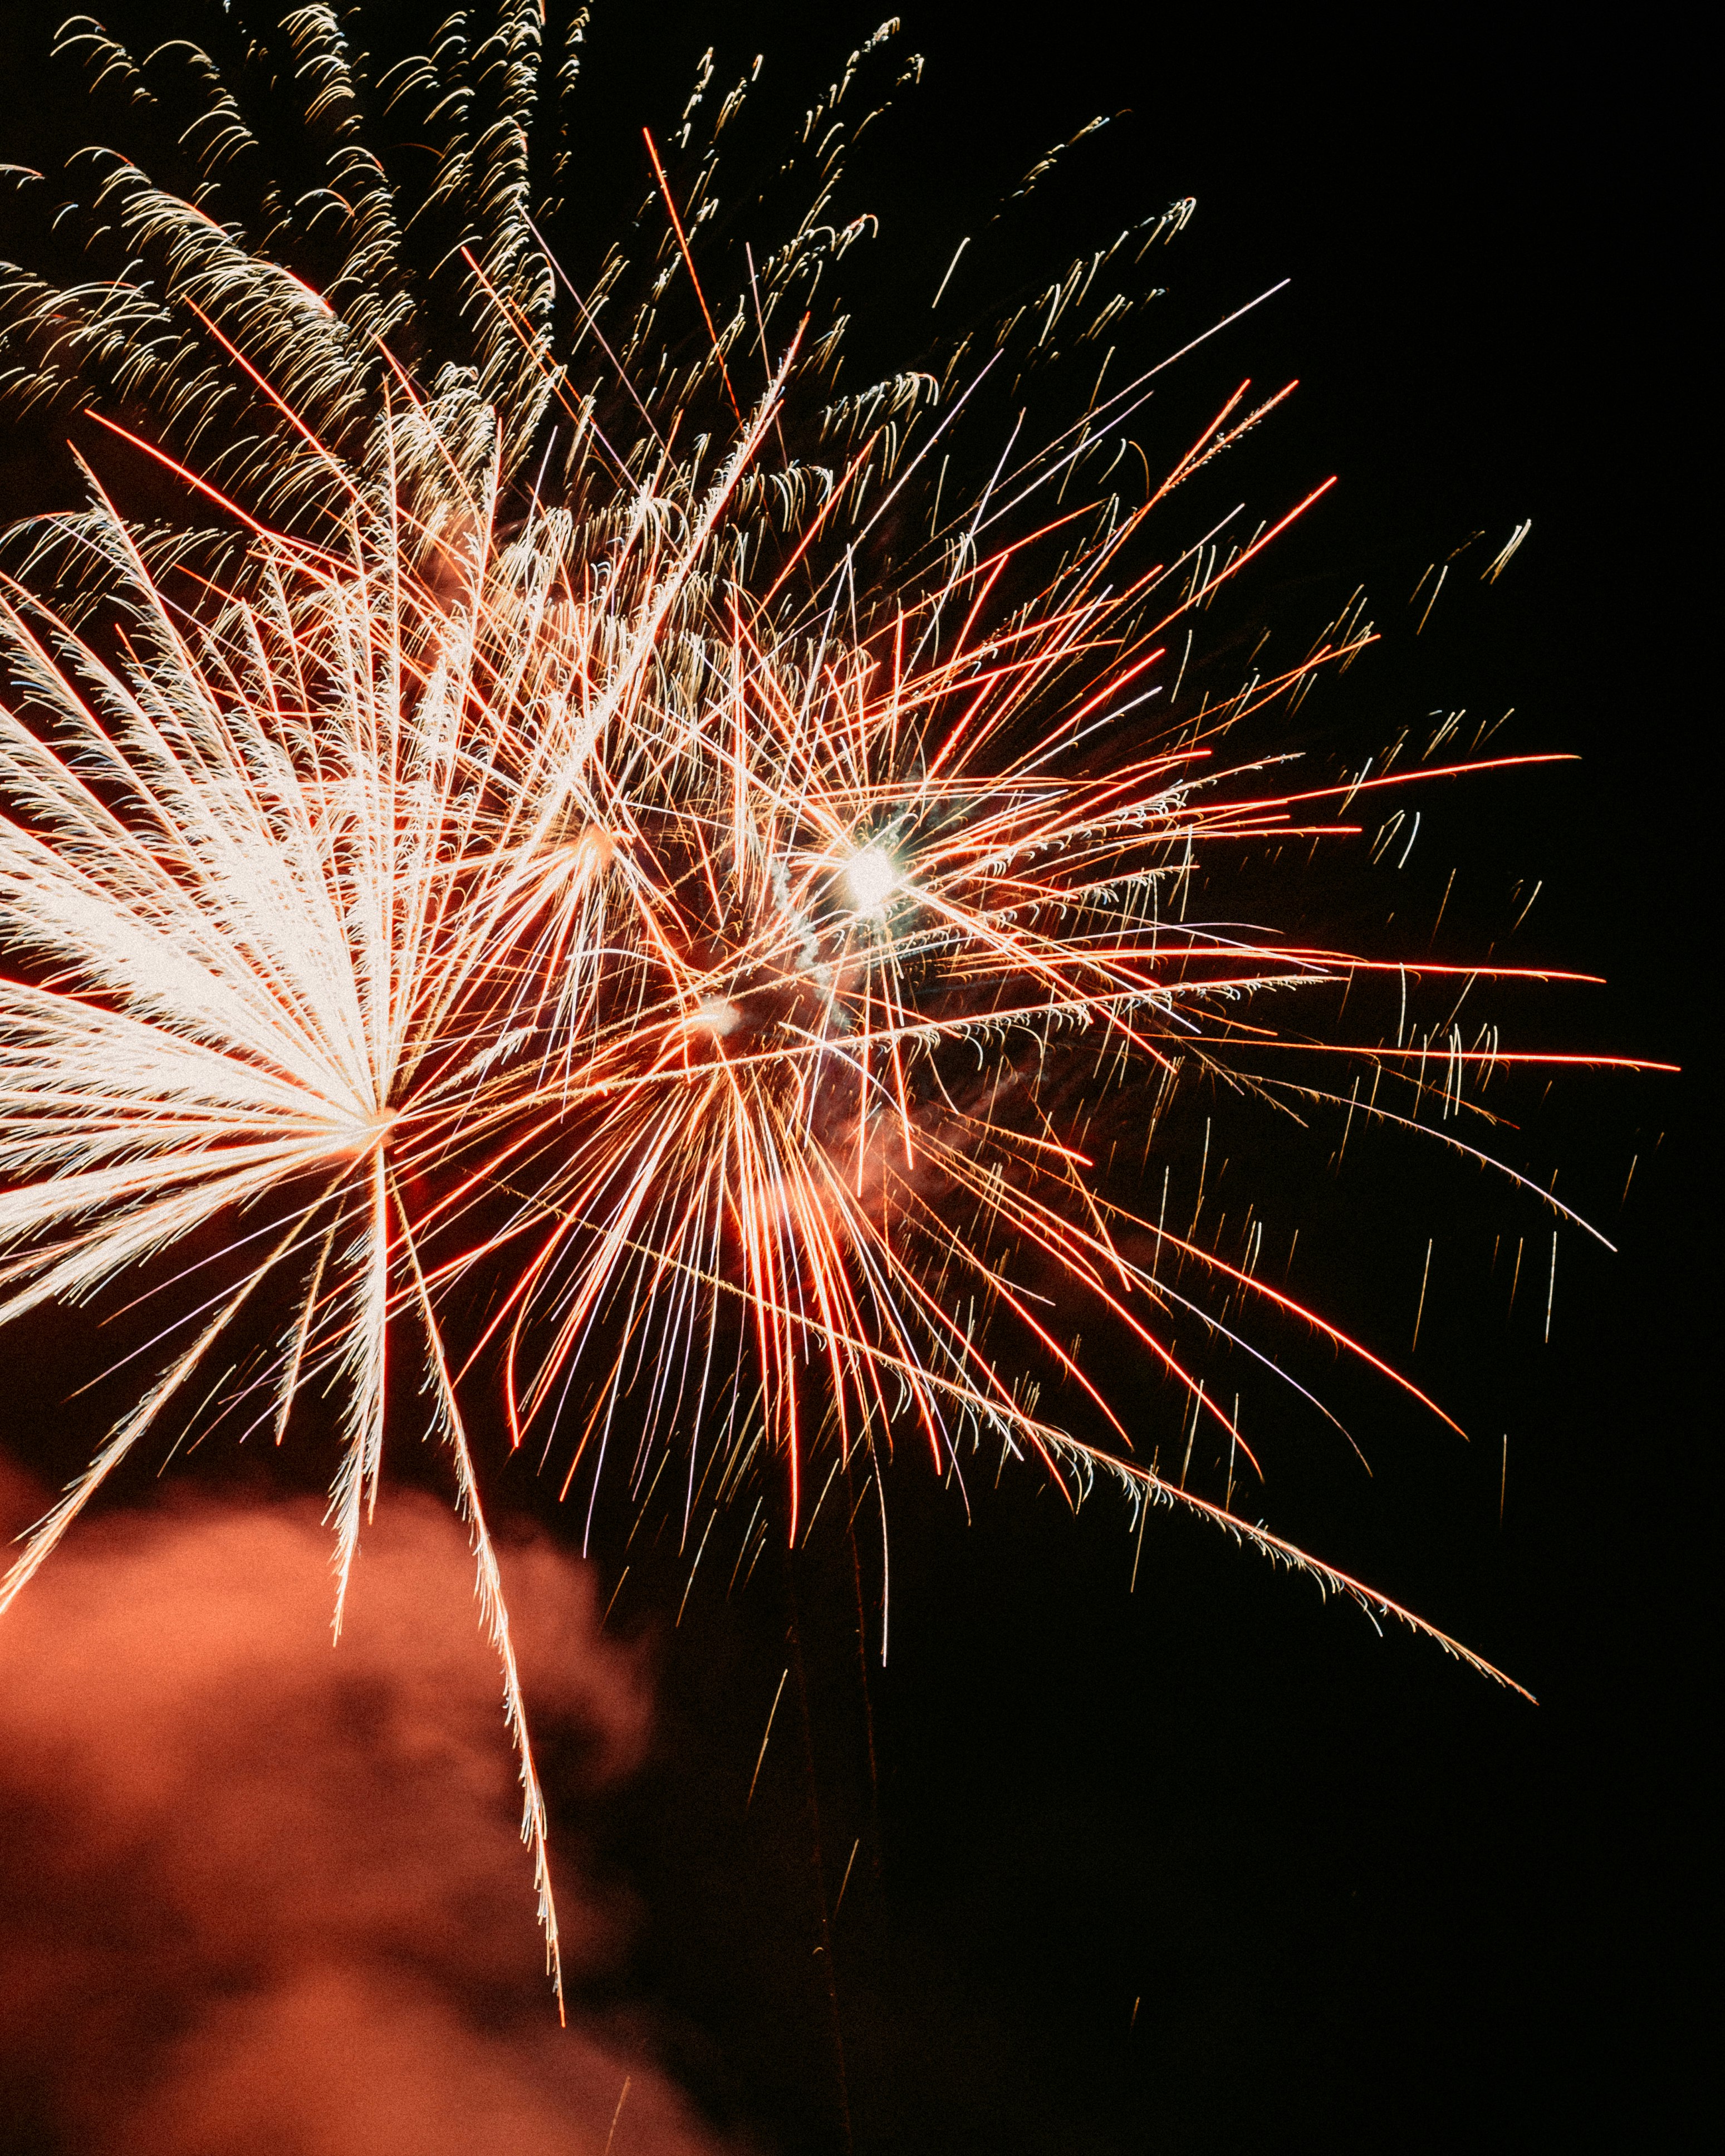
pixel 598 820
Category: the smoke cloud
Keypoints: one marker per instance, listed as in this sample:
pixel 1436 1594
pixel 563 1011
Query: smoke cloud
pixel 258 1893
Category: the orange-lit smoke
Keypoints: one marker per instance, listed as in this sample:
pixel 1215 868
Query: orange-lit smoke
pixel 258 1891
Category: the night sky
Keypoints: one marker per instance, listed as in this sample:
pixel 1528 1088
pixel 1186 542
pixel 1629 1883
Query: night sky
pixel 1201 1863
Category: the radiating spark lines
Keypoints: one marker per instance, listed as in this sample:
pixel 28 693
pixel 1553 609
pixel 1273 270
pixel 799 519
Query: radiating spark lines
pixel 544 856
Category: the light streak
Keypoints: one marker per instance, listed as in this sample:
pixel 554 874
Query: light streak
pixel 598 880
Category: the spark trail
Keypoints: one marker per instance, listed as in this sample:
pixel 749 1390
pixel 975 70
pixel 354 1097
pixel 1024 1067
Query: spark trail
pixel 600 826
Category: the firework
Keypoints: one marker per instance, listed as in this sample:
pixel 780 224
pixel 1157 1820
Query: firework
pixel 547 826
pixel 230 874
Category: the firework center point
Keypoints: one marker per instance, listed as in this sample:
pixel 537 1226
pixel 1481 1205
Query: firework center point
pixel 595 851
pixel 871 877
pixel 369 1128
pixel 712 1014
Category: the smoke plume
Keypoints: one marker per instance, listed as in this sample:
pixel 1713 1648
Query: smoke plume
pixel 260 1894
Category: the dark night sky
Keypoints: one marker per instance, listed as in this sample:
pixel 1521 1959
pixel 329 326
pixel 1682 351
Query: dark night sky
pixel 1209 1864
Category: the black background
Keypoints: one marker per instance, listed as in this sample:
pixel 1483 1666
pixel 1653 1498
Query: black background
pixel 1209 1864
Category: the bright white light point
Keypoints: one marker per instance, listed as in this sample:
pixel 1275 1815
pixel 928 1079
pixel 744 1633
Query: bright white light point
pixel 713 1015
pixel 871 879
